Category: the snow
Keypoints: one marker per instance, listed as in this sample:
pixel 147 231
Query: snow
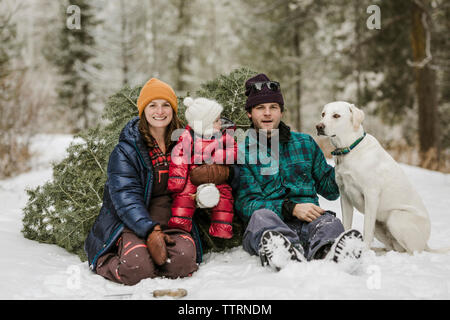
pixel 30 270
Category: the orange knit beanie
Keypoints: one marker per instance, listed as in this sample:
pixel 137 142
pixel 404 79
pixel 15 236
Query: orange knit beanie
pixel 156 89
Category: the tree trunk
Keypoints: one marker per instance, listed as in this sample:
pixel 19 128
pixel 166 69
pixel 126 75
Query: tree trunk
pixel 86 107
pixel 153 23
pixel 123 43
pixel 183 22
pixel 298 82
pixel 358 58
pixel 213 27
pixel 426 87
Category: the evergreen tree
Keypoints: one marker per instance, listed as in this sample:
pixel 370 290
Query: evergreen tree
pixel 8 49
pixel 441 55
pixel 16 113
pixel 72 55
pixel 279 40
pixel 63 210
pixel 388 51
pixel 403 52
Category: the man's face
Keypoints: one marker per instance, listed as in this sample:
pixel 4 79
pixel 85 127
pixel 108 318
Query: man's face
pixel 266 116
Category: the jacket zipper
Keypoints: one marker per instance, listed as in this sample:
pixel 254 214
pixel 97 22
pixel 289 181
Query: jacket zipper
pixel 149 176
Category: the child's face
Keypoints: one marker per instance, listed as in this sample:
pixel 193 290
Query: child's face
pixel 217 125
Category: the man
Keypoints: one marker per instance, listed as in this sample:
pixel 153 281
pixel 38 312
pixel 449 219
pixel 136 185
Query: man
pixel 281 206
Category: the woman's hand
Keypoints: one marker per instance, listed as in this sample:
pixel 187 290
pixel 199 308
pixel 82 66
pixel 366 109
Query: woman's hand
pixel 307 211
pixel 156 245
pixel 209 173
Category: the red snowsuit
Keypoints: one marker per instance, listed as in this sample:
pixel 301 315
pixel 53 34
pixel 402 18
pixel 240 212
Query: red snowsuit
pixel 191 151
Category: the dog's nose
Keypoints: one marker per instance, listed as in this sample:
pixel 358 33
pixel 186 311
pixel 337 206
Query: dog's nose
pixel 320 129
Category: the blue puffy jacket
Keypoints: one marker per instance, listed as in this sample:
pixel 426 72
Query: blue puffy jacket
pixel 126 196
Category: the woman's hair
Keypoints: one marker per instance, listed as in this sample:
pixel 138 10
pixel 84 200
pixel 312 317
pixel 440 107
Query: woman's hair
pixel 144 129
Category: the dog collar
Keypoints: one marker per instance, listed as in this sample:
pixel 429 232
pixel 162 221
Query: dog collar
pixel 342 151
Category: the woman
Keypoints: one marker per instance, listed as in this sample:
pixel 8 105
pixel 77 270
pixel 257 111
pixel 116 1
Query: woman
pixel 130 240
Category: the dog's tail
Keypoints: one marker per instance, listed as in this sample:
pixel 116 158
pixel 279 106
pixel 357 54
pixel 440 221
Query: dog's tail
pixel 440 250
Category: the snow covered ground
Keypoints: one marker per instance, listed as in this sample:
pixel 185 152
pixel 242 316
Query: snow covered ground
pixel 30 270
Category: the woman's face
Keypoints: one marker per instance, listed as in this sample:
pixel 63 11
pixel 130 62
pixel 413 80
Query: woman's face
pixel 159 113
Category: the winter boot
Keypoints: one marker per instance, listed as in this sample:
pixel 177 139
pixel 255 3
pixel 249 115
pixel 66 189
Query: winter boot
pixel 347 247
pixel 277 251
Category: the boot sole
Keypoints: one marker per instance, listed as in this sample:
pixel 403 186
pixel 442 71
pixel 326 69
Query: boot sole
pixel 272 240
pixel 342 252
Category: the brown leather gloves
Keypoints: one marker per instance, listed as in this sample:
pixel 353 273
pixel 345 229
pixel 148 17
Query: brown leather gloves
pixel 156 245
pixel 209 173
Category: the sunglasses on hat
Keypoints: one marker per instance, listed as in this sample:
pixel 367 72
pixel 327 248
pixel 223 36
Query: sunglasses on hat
pixel 271 85
pixel 226 123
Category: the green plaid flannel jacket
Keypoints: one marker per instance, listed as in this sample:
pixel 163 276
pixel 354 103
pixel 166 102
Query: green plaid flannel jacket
pixel 300 173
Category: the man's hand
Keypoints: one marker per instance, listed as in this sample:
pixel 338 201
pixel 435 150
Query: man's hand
pixel 307 211
pixel 156 245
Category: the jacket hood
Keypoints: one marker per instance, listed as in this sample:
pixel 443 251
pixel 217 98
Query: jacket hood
pixel 130 133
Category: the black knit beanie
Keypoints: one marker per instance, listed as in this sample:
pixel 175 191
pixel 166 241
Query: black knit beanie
pixel 265 95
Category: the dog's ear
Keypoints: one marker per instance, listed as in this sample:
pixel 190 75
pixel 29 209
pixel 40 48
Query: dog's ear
pixel 357 116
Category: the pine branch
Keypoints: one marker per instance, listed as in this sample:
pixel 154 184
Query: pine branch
pixel 95 192
pixel 96 160
pixel 129 99
pixel 68 195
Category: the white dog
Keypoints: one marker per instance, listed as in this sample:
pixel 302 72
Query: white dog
pixel 371 181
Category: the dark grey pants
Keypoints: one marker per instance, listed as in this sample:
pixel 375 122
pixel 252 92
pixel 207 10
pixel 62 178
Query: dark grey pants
pixel 311 235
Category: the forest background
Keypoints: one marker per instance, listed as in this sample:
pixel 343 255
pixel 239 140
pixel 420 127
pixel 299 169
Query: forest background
pixel 60 61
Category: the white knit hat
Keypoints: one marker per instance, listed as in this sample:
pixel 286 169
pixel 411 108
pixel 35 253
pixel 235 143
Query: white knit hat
pixel 201 114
